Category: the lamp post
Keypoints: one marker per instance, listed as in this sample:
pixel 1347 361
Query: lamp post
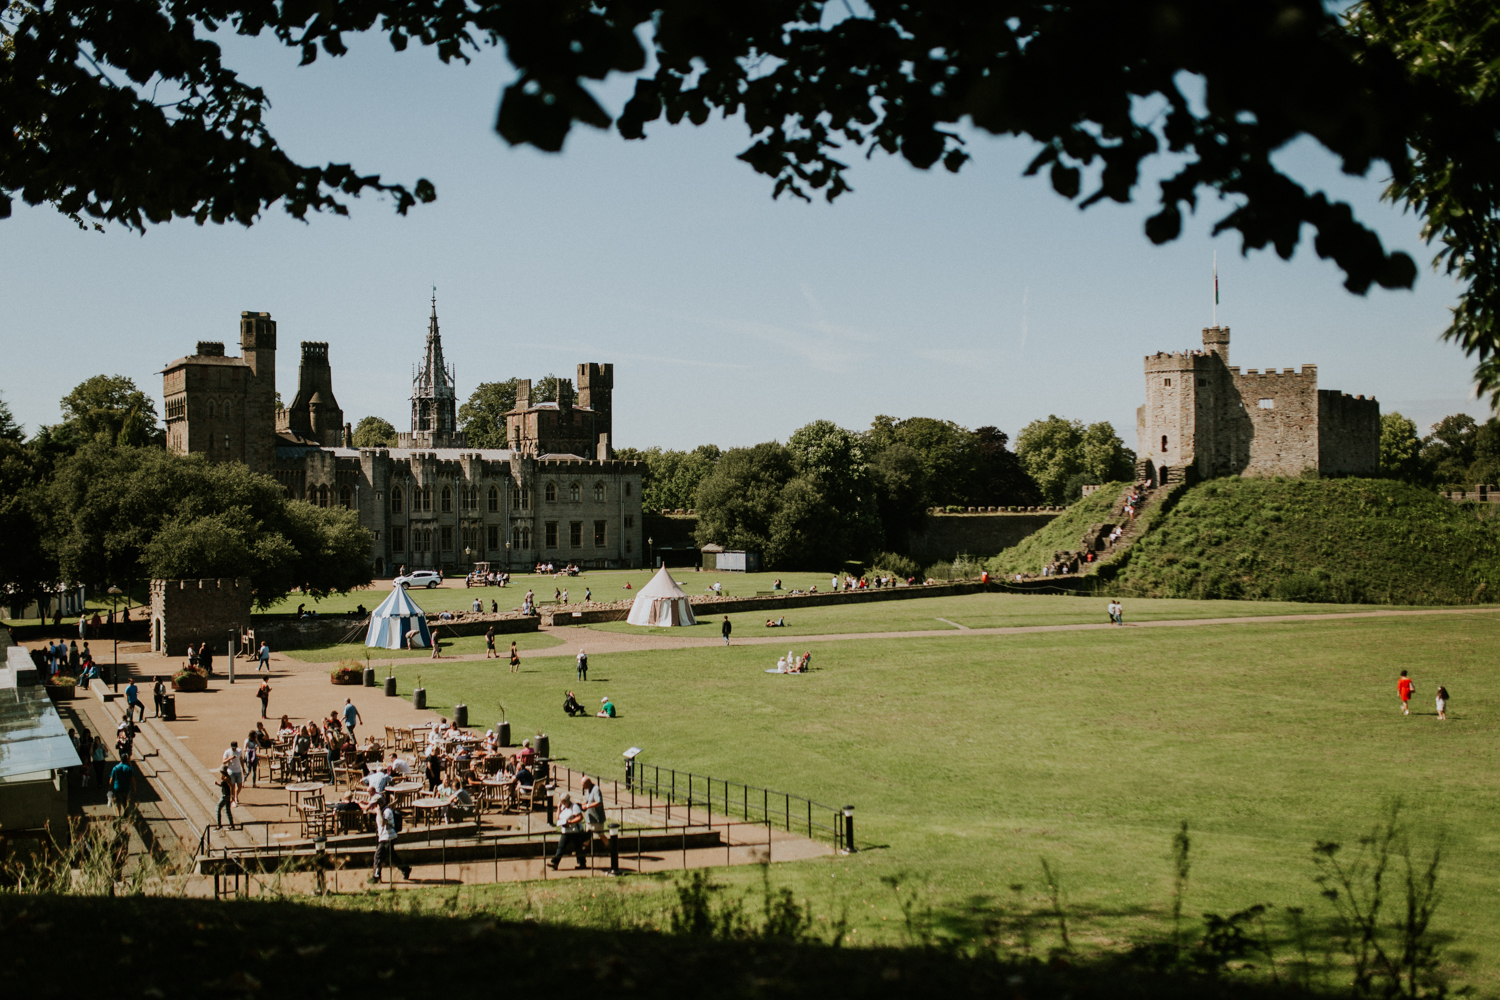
pixel 848 829
pixel 650 551
pixel 614 849
pixel 114 634
pixel 507 557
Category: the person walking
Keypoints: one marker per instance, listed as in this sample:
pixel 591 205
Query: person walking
pixel 1405 689
pixel 724 630
pixel 159 694
pixel 265 659
pixel 352 718
pixel 226 797
pixel 233 764
pixel 99 760
pixel 122 784
pixel 133 702
pixel 489 643
pixel 515 658
pixel 1442 703
pixel 387 829
pixel 572 840
pixel 583 665
pixel 264 694
pixel 252 761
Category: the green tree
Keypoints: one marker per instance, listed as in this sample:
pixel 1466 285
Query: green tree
pixel 111 409
pixel 835 517
pixel 482 418
pixel 374 432
pixel 672 477
pixel 1400 449
pixel 1486 467
pixel 25 570
pixel 1450 449
pixel 111 514
pixel 1051 450
pixel 739 501
pixel 9 429
pixel 1105 457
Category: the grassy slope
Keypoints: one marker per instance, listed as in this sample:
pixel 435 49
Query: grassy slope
pixel 1350 540
pixel 1064 533
pixel 971 759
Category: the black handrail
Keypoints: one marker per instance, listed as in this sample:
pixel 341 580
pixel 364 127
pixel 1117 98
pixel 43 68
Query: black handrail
pixel 656 782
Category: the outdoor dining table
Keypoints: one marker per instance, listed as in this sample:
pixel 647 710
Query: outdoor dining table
pixel 297 790
pixel 403 791
pixel 427 806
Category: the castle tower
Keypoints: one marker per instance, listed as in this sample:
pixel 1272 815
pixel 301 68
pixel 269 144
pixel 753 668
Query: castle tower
pixel 258 350
pixel 1216 341
pixel 596 387
pixel 434 397
pixel 315 415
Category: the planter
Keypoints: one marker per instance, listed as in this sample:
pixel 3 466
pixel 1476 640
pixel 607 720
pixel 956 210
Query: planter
pixel 346 677
pixel 190 682
pixel 61 692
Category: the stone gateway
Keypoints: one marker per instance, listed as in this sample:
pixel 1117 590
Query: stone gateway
pixel 1204 418
pixel 555 494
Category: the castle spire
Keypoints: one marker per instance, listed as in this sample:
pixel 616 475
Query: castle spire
pixel 433 390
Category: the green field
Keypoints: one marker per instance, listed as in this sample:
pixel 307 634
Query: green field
pixel 970 760
pixel 971 611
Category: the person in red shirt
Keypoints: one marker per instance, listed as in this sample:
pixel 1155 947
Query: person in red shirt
pixel 1404 688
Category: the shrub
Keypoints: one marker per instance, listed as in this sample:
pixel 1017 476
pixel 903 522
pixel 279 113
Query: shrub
pixel 348 672
pixel 190 679
pixel 893 564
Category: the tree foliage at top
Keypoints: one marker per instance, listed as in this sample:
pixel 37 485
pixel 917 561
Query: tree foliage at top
pixel 1458 452
pixel 126 111
pixel 111 409
pixel 1064 455
pixel 671 479
pixel 482 418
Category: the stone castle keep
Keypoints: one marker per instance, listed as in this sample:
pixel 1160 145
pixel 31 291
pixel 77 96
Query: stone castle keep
pixel 1204 418
pixel 556 493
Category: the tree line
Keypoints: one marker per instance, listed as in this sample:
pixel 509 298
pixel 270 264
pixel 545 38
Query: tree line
pixel 98 500
pixel 829 495
pixel 1457 453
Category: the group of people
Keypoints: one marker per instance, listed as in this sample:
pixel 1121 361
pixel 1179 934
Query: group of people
pixel 489 578
pixel 1405 689
pixel 1116 612
pixel 548 568
pixel 791 663
pixel 65 658
pixel 572 707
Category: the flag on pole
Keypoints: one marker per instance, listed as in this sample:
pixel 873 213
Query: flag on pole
pixel 1216 277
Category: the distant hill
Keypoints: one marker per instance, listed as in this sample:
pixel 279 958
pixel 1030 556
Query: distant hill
pixel 1372 541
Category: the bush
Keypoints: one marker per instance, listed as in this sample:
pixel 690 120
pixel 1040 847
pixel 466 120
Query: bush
pixel 190 679
pixel 893 564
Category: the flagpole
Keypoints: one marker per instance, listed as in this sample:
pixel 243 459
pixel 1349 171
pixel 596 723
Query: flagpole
pixel 1216 288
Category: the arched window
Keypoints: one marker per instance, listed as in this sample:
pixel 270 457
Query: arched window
pixel 426 494
pixel 1163 442
pixel 323 496
pixel 494 500
pixel 447 500
pixel 525 498
pixel 210 409
pixel 598 492
pixel 550 494
pixel 346 497
pixel 398 500
pixel 575 492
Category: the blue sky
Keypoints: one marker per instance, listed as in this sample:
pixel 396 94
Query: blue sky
pixel 730 318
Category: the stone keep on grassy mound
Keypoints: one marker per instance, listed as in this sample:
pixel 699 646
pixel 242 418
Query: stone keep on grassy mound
pixel 1342 540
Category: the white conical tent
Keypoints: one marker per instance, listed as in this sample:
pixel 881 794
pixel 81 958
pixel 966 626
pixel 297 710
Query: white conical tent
pixel 396 616
pixel 661 602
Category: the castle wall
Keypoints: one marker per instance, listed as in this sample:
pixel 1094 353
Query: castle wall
pixel 1283 433
pixel 1348 434
pixel 191 612
pixel 1166 427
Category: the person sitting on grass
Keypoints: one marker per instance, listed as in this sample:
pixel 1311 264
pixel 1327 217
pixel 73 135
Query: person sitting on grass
pixel 607 709
pixel 572 707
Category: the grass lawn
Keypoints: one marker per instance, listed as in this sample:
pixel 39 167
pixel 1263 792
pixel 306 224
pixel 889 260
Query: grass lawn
pixel 978 611
pixel 608 585
pixel 451 646
pixel 969 761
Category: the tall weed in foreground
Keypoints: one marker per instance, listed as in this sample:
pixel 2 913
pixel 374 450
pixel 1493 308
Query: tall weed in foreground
pixel 94 860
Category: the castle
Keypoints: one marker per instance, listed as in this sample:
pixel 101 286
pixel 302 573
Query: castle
pixel 1204 418
pixel 555 494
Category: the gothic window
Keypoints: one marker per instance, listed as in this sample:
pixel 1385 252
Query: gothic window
pixel 447 538
pixel 550 494
pixel 492 537
pixel 630 520
pixel 398 538
pixel 627 545
pixel 346 497
pixel 1163 442
pixel 598 492
pixel 494 501
pixel 447 500
pixel 323 496
pixel 574 492
pixel 525 498
pixel 575 534
pixel 426 494
pixel 470 537
pixel 398 499
pixel 627 489
pixel 551 528
pixel 598 534
pixel 210 409
pixel 226 442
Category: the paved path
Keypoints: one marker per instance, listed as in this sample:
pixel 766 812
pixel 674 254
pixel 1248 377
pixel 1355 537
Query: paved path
pixel 597 641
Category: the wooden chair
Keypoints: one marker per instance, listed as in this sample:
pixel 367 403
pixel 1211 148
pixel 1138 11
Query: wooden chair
pixel 314 816
pixel 390 737
pixel 276 766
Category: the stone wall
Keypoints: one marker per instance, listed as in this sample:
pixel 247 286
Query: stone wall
pixel 947 535
pixel 1348 434
pixel 192 612
pixel 774 605
pixel 1284 435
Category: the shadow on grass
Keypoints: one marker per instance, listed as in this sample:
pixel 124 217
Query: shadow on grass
pixel 182 947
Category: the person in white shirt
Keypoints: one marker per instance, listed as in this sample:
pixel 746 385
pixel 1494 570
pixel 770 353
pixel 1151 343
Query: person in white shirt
pixel 234 763
pixel 385 838
pixel 573 840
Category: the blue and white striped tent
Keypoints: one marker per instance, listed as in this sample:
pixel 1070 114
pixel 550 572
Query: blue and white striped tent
pixel 396 616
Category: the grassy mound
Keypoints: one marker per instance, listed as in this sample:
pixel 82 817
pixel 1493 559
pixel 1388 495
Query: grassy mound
pixel 1351 541
pixel 1064 533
